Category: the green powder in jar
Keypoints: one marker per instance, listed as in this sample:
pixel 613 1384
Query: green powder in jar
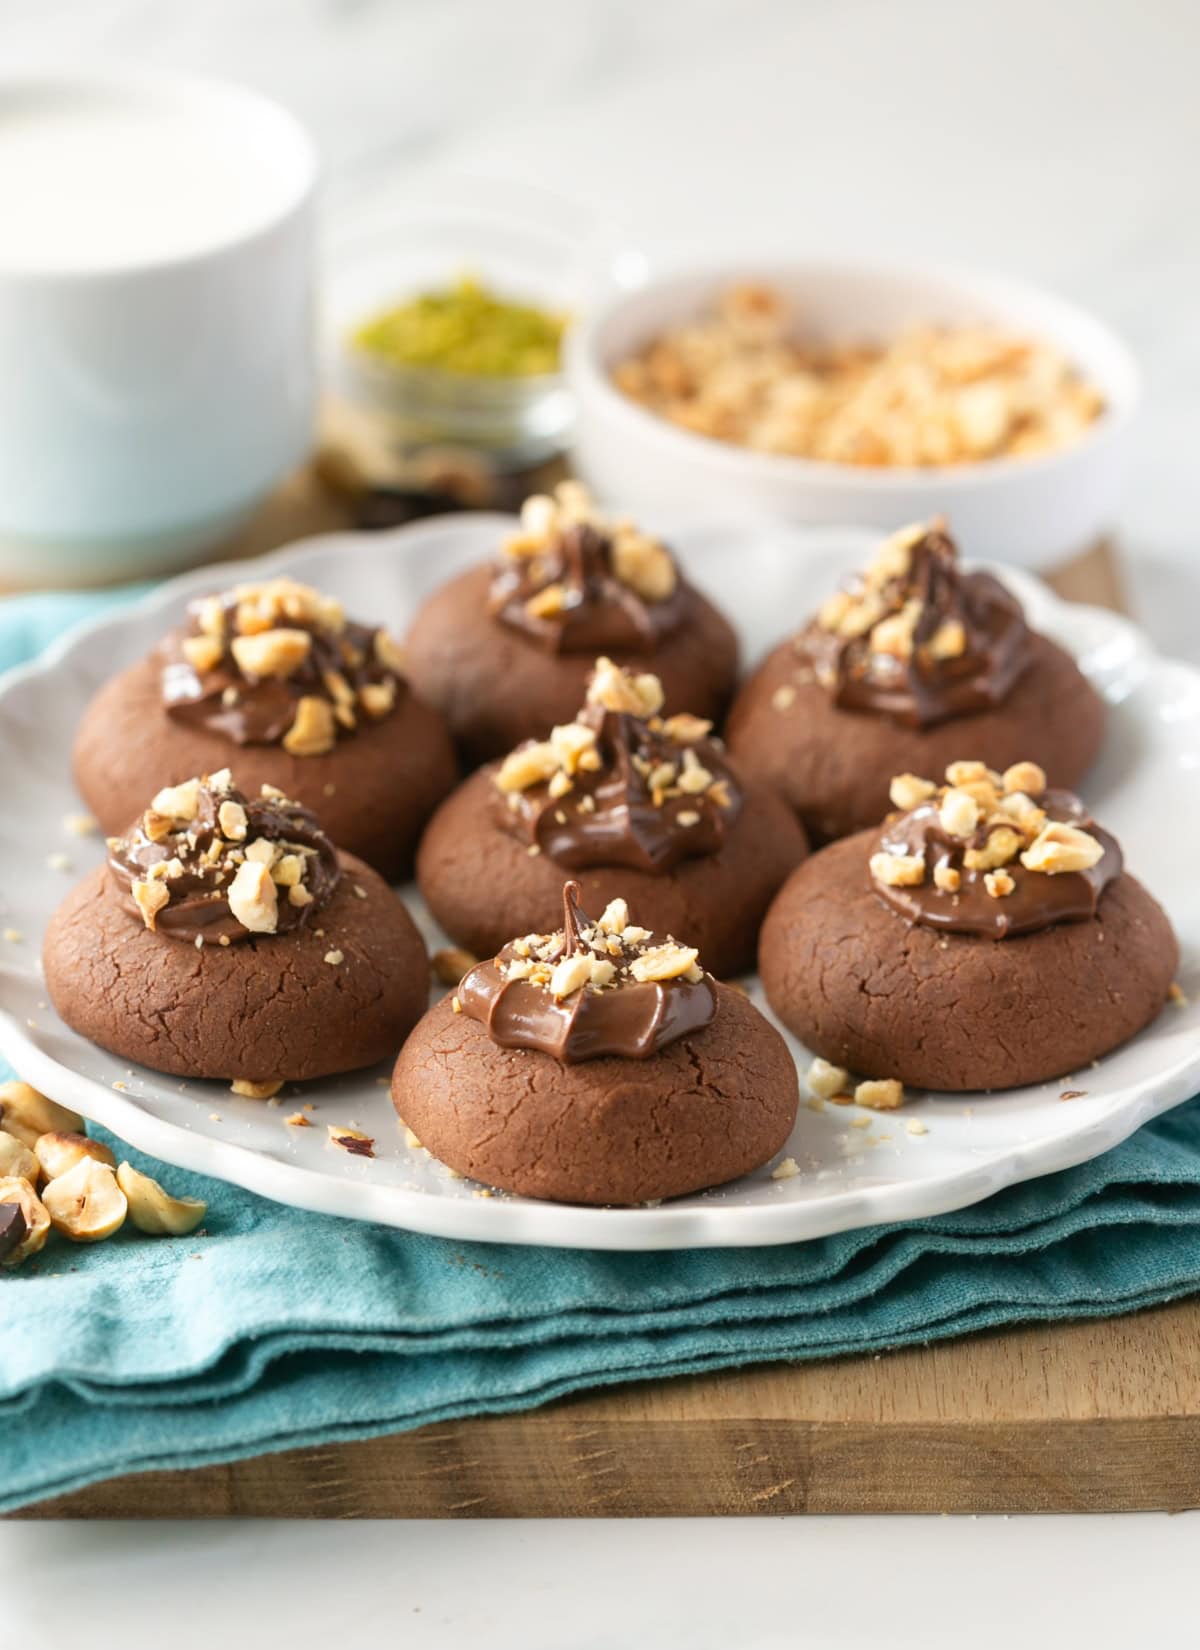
pixel 465 329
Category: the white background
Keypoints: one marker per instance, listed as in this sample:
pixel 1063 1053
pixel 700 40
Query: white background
pixel 1052 138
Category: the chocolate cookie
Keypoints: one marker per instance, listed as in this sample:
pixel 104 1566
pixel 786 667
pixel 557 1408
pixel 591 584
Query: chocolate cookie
pixel 504 652
pixel 289 962
pixel 353 742
pixel 885 953
pixel 629 802
pixel 828 717
pixel 507 1089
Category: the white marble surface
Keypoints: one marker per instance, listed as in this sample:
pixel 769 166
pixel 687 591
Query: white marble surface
pixel 1051 140
pixel 1054 140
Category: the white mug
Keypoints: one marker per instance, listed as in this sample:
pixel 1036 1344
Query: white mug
pixel 156 318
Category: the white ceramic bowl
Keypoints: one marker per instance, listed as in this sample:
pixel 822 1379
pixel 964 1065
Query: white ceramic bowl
pixel 156 317
pixel 1037 511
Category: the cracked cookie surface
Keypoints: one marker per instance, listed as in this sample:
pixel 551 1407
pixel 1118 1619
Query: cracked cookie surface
pixel 267 1009
pixel 483 885
pixel 703 1110
pixel 496 688
pixel 866 989
pixel 373 792
pixel 834 765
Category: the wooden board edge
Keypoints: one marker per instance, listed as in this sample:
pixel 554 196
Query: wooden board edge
pixel 539 1467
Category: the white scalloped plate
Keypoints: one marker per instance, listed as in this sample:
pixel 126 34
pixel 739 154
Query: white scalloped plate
pixel 856 1168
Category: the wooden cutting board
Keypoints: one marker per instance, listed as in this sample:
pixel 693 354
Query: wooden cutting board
pixel 1087 1417
pixel 1098 1417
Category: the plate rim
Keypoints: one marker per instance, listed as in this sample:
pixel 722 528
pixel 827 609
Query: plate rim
pixel 529 1222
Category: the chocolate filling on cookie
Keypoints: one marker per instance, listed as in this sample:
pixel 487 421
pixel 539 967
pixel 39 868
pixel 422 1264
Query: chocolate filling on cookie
pixel 593 988
pixel 621 785
pixel 578 583
pixel 278 663
pixel 208 865
pixel 991 854
pixel 916 639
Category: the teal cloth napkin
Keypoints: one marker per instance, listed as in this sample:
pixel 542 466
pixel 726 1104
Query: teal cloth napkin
pixel 276 1329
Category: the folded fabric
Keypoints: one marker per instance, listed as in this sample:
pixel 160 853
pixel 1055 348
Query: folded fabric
pixel 273 1328
pixel 278 1329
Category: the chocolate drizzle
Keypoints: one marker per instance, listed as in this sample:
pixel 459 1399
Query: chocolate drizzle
pixel 593 989
pixel 916 639
pixel 352 671
pixel 195 856
pixel 569 598
pixel 616 787
pixel 1037 899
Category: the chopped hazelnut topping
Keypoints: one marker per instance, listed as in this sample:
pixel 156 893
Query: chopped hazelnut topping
pixel 313 732
pixel 1024 811
pixel 947 878
pixel 686 729
pixel 378 698
pixel 1002 846
pixel 949 640
pixel 617 690
pixel 203 653
pixel 861 616
pixel 178 802
pixel 909 790
pixel 288 870
pixel 959 812
pixel 262 851
pixel 614 918
pixel 252 898
pixel 894 635
pixel 526 766
pixel 643 564
pixel 231 817
pixel 547 602
pixel 571 974
pixel 210 616
pixel 150 897
pixel 893 557
pixel 998 884
pixel 569 743
pixel 156 825
pixel 388 652
pixel 338 688
pixel 1061 847
pixel 694 777
pixel 968 773
pixel 1024 776
pixel 271 652
pixel 834 609
pixel 334 958
pixel 264 605
pixel 898 870
pixel 664 962
pixel 637 560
